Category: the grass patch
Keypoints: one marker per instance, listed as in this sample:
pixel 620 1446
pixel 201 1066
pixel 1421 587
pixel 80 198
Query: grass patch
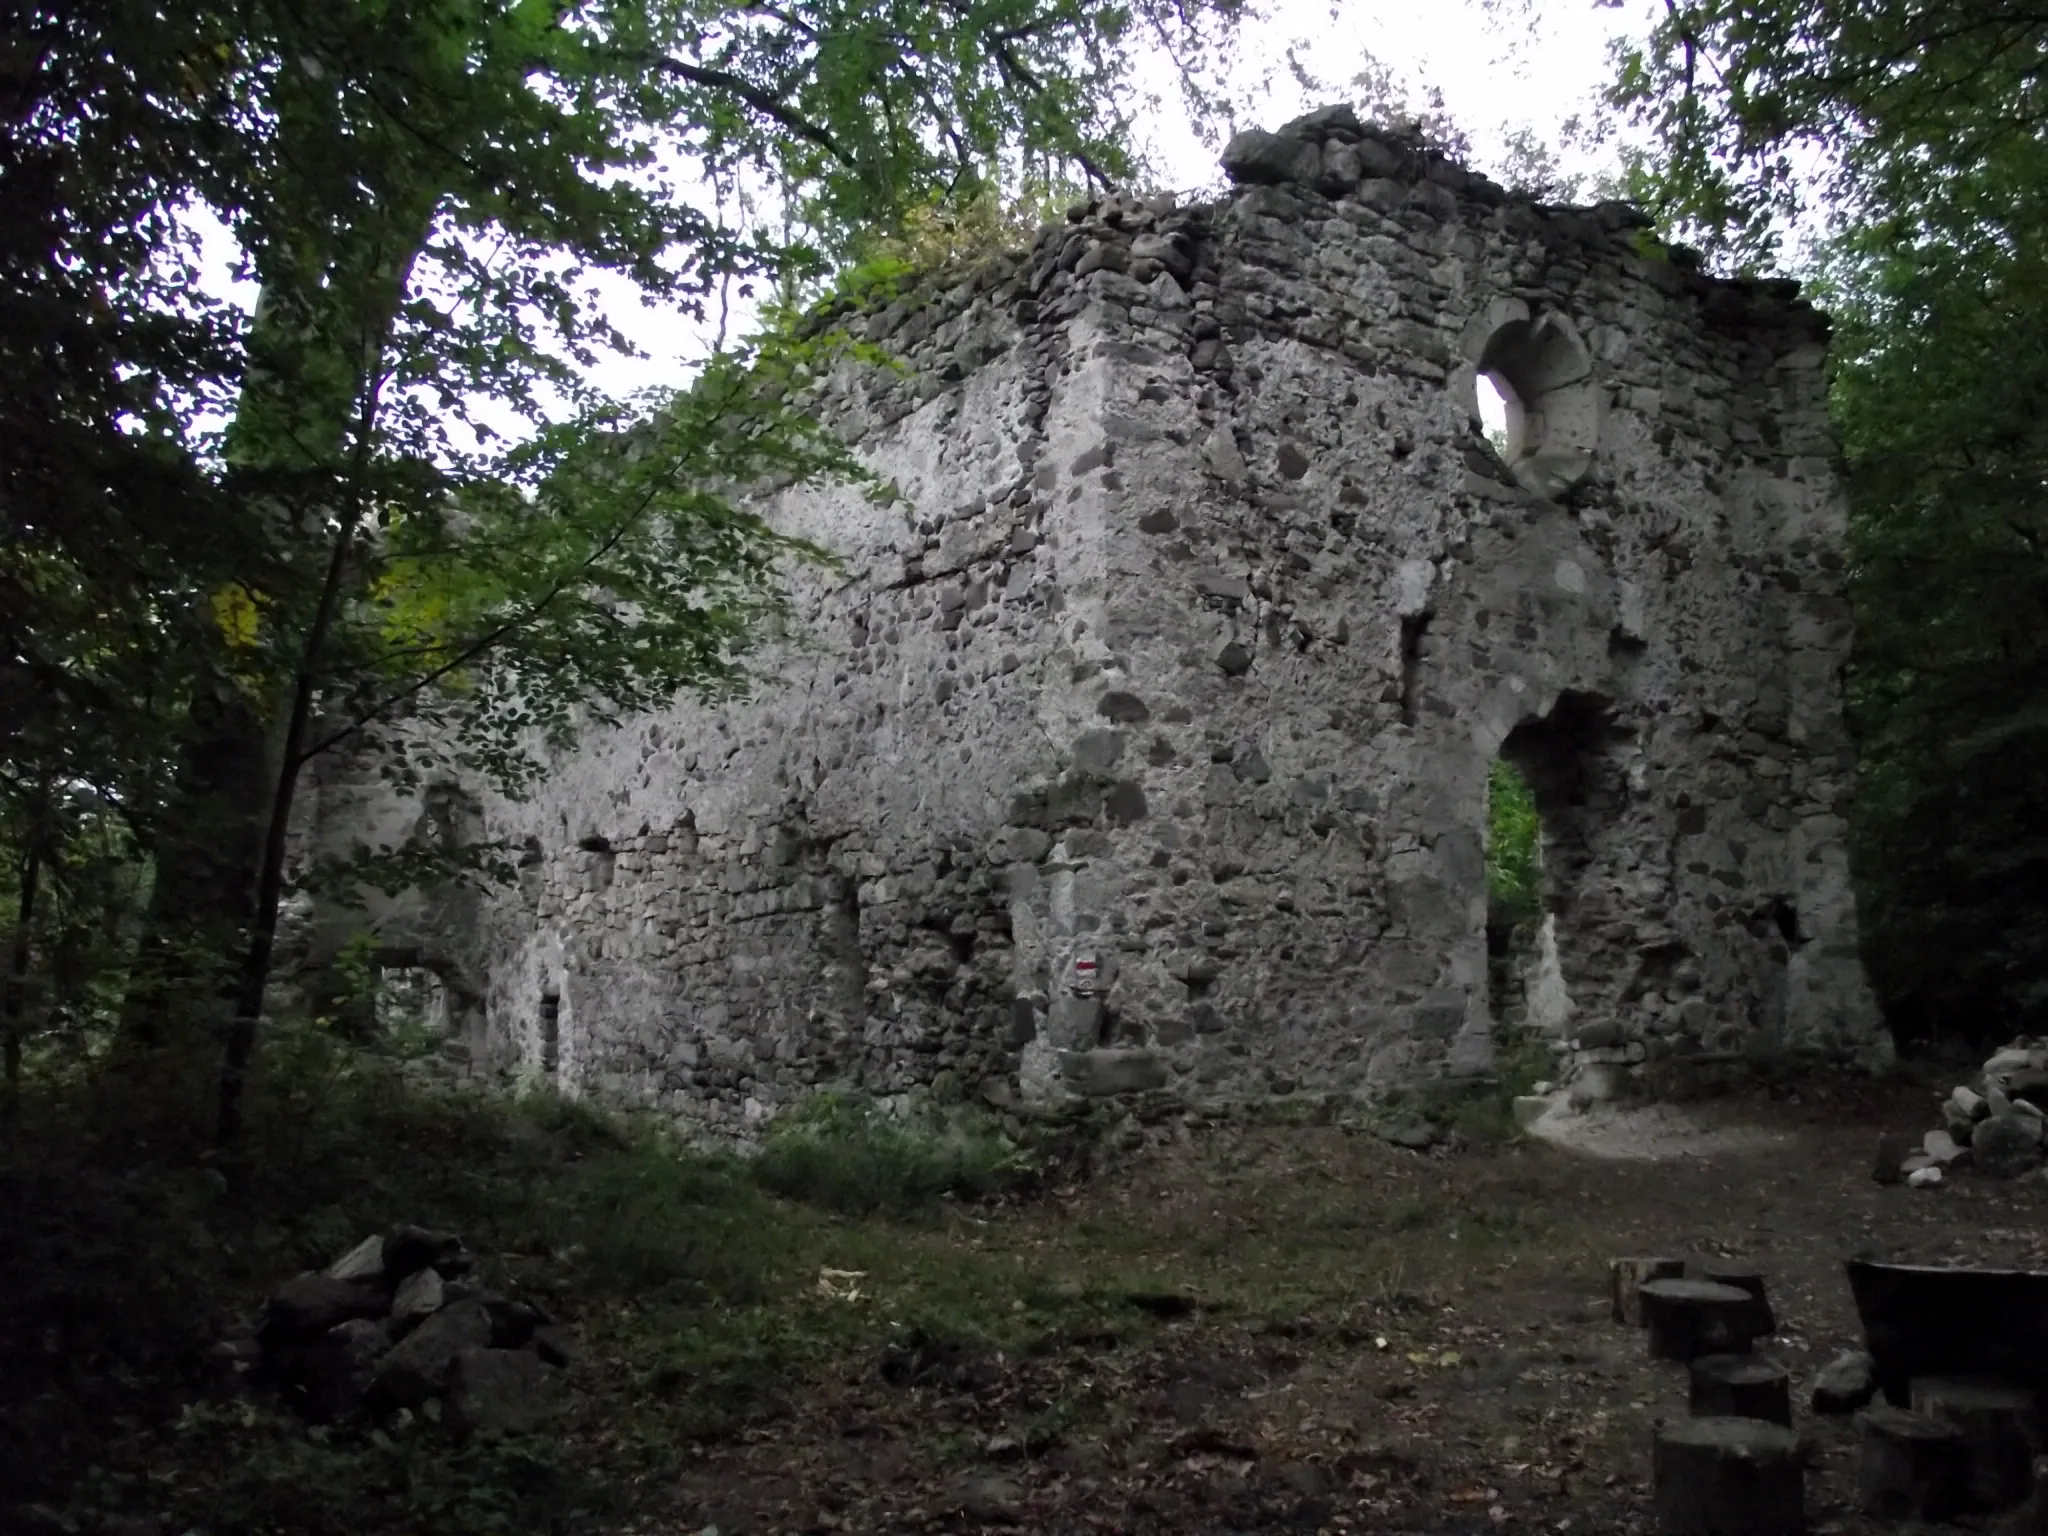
pixel 843 1152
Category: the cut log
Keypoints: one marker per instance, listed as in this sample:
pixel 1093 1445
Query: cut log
pixel 1912 1465
pixel 2001 1431
pixel 1763 1321
pixel 1743 1387
pixel 1624 1275
pixel 1892 1152
pixel 1728 1477
pixel 1689 1318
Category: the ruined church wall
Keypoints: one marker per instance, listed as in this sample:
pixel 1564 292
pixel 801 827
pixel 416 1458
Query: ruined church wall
pixel 1144 739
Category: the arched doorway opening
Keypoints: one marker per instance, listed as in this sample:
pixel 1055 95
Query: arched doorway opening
pixel 1557 794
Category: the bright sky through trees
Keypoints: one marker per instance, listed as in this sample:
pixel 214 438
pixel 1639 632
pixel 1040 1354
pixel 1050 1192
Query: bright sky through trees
pixel 1498 71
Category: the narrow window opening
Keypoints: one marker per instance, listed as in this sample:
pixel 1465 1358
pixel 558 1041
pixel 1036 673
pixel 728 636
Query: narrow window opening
pixel 1413 628
pixel 1786 916
pixel 550 1032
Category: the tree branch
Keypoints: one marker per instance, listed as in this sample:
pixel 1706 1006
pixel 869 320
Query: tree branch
pixel 760 101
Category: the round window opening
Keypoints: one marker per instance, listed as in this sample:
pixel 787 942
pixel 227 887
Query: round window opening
pixel 1534 396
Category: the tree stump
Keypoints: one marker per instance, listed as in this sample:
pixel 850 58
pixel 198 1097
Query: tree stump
pixel 1723 1476
pixel 1912 1465
pixel 2000 1429
pixel 1624 1275
pixel 1763 1321
pixel 1741 1386
pixel 1690 1318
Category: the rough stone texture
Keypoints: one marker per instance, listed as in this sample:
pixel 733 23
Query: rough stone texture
pixel 416 1368
pixel 419 1297
pixel 344 1366
pixel 1846 1383
pixel 2006 1146
pixel 1156 715
pixel 365 1261
pixel 306 1307
pixel 509 1391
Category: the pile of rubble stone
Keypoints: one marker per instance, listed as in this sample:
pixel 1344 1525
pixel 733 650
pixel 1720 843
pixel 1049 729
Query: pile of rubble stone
pixel 397 1324
pixel 1995 1126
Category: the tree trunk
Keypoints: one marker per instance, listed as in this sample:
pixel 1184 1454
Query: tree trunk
pixel 1762 1322
pixel 1689 1318
pixel 14 1001
pixel 2000 1427
pixel 1625 1275
pixel 255 977
pixel 1741 1386
pixel 338 430
pixel 1912 1465
pixel 1728 1477
pixel 202 896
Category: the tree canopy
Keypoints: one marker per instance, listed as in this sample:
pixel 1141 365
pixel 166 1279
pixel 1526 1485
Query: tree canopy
pixel 243 540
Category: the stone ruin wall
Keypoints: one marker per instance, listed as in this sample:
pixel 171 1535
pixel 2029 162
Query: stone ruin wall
pixel 1144 742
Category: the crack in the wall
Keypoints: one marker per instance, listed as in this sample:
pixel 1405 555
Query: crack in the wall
pixel 1414 632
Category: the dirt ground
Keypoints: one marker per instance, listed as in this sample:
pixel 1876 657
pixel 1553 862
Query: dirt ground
pixel 1309 1330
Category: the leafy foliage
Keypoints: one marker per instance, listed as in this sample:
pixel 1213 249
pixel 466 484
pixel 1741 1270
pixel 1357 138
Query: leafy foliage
pixel 1514 845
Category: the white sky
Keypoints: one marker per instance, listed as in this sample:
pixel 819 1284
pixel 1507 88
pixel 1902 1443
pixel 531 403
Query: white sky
pixel 1495 74
pixel 1535 72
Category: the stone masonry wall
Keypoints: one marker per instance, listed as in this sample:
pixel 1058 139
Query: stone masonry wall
pixel 1144 741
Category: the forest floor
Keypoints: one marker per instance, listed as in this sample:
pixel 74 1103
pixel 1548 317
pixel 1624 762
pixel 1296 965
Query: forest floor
pixel 1321 1332
pixel 1218 1329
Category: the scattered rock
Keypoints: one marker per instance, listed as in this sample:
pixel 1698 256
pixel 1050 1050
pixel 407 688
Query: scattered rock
pixel 2028 1084
pixel 417 1367
pixel 1941 1146
pixel 506 1391
pixel 344 1365
pixel 996 1500
pixel 1415 1135
pixel 1924 1178
pixel 556 1344
pixel 2006 1146
pixel 407 1249
pixel 1845 1384
pixel 420 1296
pixel 383 1327
pixel 365 1261
pixel 1998 1131
pixel 302 1310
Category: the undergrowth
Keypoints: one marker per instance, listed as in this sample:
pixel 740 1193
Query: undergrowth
pixel 693 1277
pixel 846 1153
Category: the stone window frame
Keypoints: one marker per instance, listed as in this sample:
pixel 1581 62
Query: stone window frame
pixel 1553 403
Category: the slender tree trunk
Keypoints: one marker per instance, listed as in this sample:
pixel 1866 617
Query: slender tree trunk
pixel 255 977
pixel 14 1010
pixel 201 895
